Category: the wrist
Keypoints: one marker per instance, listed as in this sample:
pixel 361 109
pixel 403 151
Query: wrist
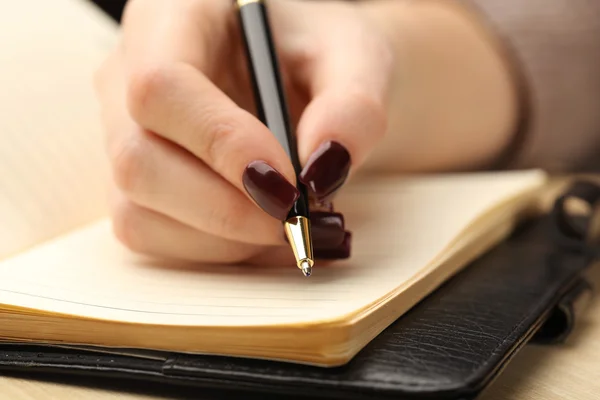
pixel 454 97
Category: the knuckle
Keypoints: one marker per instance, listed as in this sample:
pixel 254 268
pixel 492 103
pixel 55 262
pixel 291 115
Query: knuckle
pixel 375 110
pixel 128 162
pixel 227 219
pixel 144 87
pixel 217 131
pixel 126 225
pixel 370 102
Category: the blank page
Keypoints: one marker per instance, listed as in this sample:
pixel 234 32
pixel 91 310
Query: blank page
pixel 51 157
pixel 401 227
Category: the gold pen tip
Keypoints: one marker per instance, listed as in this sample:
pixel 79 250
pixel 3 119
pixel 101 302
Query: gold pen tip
pixel 306 268
pixel 297 230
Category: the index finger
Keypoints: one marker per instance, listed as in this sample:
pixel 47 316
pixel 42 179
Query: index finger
pixel 164 31
pixel 170 95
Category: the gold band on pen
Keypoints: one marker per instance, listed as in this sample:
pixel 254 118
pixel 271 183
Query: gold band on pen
pixel 241 3
pixel 297 230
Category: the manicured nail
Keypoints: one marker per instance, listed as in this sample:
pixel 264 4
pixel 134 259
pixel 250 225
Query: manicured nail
pixel 269 189
pixel 338 252
pixel 327 229
pixel 326 169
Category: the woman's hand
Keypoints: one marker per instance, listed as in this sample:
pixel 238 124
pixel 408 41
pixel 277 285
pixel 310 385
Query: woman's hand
pixel 197 176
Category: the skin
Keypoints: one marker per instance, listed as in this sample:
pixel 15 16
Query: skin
pixel 404 86
pixel 455 100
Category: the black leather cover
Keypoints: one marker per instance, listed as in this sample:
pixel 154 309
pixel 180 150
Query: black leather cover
pixel 449 346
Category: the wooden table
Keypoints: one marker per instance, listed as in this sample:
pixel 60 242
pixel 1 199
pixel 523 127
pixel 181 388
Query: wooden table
pixel 568 371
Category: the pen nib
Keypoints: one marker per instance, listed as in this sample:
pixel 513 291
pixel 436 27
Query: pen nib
pixel 306 268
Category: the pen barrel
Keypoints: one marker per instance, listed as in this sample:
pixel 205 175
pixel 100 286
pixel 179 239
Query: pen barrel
pixel 270 99
pixel 264 66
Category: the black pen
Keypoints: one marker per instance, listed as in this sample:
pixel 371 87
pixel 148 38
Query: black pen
pixel 273 112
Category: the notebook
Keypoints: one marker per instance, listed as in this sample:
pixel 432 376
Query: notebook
pixel 66 280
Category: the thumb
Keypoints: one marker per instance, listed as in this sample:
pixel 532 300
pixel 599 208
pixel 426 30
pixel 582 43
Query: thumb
pixel 335 135
pixel 347 114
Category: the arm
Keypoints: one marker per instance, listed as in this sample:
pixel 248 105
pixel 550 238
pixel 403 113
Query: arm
pixel 485 79
pixel 556 47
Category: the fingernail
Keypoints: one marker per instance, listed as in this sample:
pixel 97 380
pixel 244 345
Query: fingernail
pixel 326 169
pixel 327 229
pixel 269 189
pixel 339 252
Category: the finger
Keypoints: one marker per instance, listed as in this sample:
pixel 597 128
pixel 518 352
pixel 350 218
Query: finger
pixel 161 176
pixel 158 175
pixel 199 33
pixel 347 115
pixel 183 106
pixel 148 232
pixel 168 94
pixel 187 31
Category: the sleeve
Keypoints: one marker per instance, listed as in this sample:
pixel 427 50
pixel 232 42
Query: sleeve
pixel 555 47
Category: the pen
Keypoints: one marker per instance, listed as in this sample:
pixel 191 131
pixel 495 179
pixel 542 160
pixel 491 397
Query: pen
pixel 273 112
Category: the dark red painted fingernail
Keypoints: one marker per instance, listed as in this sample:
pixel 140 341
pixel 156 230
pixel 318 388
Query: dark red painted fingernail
pixel 327 229
pixel 326 169
pixel 269 189
pixel 339 252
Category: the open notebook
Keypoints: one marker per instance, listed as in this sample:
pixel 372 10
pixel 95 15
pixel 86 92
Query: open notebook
pixel 64 278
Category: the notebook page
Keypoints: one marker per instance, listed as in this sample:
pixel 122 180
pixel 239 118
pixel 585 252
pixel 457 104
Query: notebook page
pixel 399 226
pixel 51 157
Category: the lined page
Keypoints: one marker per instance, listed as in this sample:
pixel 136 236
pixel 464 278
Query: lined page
pixel 51 157
pixel 400 227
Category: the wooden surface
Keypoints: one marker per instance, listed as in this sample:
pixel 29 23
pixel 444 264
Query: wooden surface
pixel 568 371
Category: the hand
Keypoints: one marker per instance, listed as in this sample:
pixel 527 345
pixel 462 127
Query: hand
pixel 196 175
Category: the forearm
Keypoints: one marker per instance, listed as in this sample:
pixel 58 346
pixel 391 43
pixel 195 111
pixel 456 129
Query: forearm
pixel 454 103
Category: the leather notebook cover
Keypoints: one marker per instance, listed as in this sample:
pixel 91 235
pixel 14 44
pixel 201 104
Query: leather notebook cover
pixel 450 346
